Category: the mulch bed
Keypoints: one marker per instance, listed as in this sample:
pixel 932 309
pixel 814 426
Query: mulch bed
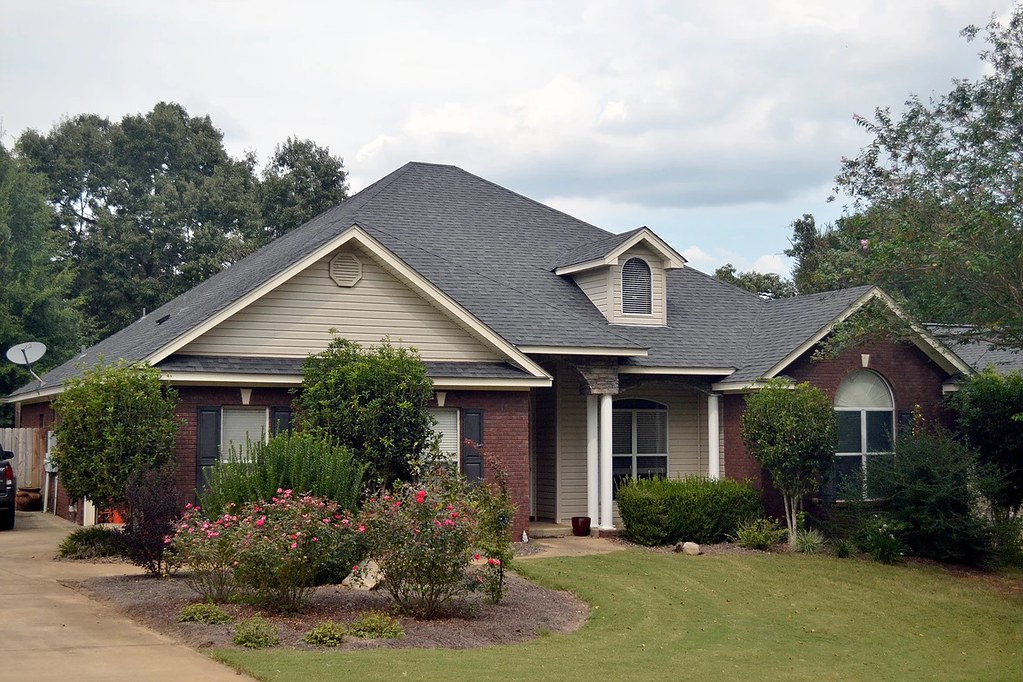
pixel 527 611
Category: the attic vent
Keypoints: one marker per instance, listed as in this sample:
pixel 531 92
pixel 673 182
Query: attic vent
pixel 636 283
pixel 345 269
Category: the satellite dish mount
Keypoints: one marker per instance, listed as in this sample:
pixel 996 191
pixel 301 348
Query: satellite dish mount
pixel 26 354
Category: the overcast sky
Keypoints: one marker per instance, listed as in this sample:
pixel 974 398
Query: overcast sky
pixel 713 123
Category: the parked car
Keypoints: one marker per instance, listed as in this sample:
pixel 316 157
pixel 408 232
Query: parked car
pixel 8 489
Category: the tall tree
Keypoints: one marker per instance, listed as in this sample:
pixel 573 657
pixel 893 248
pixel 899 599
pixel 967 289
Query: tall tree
pixel 300 181
pixel 937 194
pixel 33 305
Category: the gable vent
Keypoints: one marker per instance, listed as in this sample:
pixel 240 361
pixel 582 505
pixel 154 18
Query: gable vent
pixel 345 269
pixel 636 287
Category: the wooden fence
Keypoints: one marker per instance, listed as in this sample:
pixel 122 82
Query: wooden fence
pixel 29 447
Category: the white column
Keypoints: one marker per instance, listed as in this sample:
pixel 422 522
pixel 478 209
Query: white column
pixel 592 460
pixel 713 436
pixel 604 446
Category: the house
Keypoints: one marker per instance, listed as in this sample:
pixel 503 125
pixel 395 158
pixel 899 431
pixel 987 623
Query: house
pixel 578 356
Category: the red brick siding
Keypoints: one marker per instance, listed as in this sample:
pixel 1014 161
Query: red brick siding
pixel 505 440
pixel 913 377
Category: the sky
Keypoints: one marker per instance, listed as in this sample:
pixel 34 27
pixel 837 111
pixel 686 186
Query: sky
pixel 713 123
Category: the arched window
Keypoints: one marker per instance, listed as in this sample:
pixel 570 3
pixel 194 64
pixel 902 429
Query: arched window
pixel 636 287
pixel 866 423
pixel 639 440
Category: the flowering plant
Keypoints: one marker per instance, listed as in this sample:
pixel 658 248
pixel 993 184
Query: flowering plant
pixel 205 549
pixel 422 537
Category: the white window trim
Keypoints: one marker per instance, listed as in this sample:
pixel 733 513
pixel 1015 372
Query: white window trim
pixel 635 434
pixel 456 456
pixel 864 454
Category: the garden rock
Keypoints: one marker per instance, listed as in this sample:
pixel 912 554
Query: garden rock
pixel 688 548
pixel 368 577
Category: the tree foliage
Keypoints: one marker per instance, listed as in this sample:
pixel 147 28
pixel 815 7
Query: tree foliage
pixel 373 401
pixel 112 421
pixel 33 291
pixel 792 431
pixel 147 207
pixel 764 284
pixel 987 408
pixel 938 217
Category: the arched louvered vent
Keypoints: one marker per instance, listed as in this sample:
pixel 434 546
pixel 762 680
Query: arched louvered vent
pixel 345 269
pixel 636 287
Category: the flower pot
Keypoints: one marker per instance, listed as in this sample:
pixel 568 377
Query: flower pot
pixel 28 499
pixel 580 526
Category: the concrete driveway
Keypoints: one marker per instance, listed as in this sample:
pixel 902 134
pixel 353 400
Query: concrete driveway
pixel 52 632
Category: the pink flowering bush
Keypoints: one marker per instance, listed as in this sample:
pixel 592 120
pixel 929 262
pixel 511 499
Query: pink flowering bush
pixel 422 536
pixel 271 553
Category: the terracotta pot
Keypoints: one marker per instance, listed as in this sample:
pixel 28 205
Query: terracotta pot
pixel 29 499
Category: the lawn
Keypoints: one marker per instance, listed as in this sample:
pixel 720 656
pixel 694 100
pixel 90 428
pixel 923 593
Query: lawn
pixel 777 616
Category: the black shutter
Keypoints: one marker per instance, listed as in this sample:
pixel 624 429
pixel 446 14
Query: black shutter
pixel 280 420
pixel 207 444
pixel 472 457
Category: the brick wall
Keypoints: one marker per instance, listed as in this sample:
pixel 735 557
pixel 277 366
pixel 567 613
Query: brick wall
pixel 913 377
pixel 505 440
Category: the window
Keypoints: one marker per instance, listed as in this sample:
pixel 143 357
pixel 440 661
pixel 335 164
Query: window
pixel 866 423
pixel 240 426
pixel 447 427
pixel 636 287
pixel 639 440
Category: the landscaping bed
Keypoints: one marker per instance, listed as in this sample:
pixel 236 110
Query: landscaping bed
pixel 528 611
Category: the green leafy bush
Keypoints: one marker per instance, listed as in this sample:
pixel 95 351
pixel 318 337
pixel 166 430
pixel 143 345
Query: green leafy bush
pixel 373 401
pixel 809 541
pixel 204 612
pixel 326 634
pixel 113 420
pixel 694 509
pixel 495 513
pixel 92 542
pixel 152 510
pixel 932 489
pixel 376 625
pixel 881 539
pixel 423 538
pixel 256 633
pixel 843 548
pixel 761 534
pixel 300 462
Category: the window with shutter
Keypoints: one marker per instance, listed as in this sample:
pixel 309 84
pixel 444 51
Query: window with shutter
pixel 637 291
pixel 447 428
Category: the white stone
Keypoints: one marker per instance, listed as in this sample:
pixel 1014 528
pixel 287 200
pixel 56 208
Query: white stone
pixel 368 577
pixel 691 548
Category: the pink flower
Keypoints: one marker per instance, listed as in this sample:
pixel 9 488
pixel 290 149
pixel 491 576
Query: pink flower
pixel 261 521
pixel 361 528
pixel 355 568
pixel 420 496
pixel 448 522
pixel 476 556
pixel 346 522
pixel 315 539
pixel 454 515
pixel 294 545
pixel 494 562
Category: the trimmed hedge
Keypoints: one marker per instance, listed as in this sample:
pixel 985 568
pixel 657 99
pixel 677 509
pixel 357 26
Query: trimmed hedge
pixel 692 509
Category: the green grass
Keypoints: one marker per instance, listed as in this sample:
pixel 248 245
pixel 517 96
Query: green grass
pixel 666 617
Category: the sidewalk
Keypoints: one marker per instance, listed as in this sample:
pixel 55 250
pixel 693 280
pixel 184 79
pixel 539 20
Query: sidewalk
pixel 570 546
pixel 50 631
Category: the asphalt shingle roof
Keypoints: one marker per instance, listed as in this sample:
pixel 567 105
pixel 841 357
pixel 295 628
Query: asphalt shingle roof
pixel 494 251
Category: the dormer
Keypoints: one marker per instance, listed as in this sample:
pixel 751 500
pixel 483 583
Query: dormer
pixel 624 276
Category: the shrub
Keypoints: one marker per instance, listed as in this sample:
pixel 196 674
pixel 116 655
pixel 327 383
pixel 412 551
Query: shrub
pixel 792 431
pixel 931 489
pixel 422 537
pixel 1008 544
pixel 92 542
pixel 112 421
pixel 204 612
pixel 696 509
pixel 880 539
pixel 373 401
pixel 288 461
pixel 761 534
pixel 843 548
pixel 206 550
pixel 256 633
pixel 495 513
pixel 326 634
pixel 809 541
pixel 152 510
pixel 376 625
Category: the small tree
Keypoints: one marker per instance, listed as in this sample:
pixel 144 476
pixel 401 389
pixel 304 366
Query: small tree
pixel 987 408
pixel 792 431
pixel 373 401
pixel 112 421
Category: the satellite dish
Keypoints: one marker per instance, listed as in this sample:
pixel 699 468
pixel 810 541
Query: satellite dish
pixel 26 354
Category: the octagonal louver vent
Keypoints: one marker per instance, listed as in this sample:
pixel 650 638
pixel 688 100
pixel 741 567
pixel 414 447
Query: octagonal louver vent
pixel 345 269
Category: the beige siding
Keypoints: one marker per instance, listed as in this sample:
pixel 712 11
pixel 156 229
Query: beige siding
pixel 294 319
pixel 658 308
pixel 545 409
pixel 687 439
pixel 594 284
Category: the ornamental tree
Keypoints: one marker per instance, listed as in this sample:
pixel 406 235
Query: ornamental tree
pixel 792 431
pixel 112 421
pixel 373 401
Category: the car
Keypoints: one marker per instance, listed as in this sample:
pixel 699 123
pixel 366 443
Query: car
pixel 8 490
